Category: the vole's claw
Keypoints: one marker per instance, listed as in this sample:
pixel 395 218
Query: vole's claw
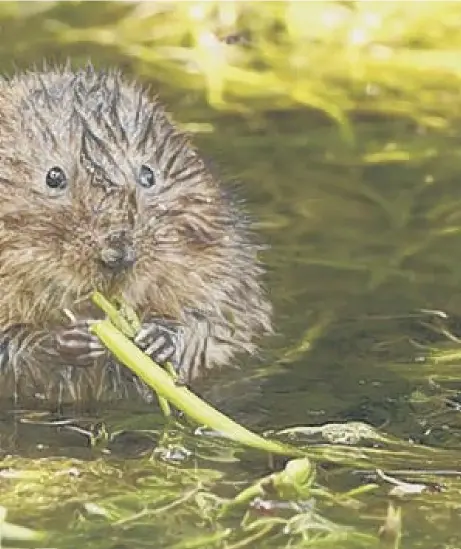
pixel 78 345
pixel 158 339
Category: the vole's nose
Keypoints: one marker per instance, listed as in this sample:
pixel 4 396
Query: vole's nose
pixel 118 251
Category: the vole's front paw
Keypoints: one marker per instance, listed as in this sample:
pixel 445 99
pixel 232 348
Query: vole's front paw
pixel 77 345
pixel 158 338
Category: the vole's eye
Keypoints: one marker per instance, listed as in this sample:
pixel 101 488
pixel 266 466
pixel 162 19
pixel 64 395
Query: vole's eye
pixel 56 178
pixel 146 177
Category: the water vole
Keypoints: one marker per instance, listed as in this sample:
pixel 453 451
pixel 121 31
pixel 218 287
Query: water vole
pixel 98 189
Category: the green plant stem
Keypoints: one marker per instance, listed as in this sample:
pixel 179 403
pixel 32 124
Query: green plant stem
pixel 129 328
pixel 181 397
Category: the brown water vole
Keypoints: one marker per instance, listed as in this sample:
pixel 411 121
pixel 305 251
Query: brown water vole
pixel 99 190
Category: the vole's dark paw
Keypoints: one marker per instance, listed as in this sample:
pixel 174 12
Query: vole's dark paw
pixel 77 345
pixel 158 339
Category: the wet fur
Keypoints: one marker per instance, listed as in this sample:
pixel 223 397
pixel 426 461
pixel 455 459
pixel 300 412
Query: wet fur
pixel 196 259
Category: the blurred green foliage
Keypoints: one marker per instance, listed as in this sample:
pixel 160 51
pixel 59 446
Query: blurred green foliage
pixel 397 59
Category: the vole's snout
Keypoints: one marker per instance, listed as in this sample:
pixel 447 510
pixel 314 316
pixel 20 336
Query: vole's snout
pixel 117 250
